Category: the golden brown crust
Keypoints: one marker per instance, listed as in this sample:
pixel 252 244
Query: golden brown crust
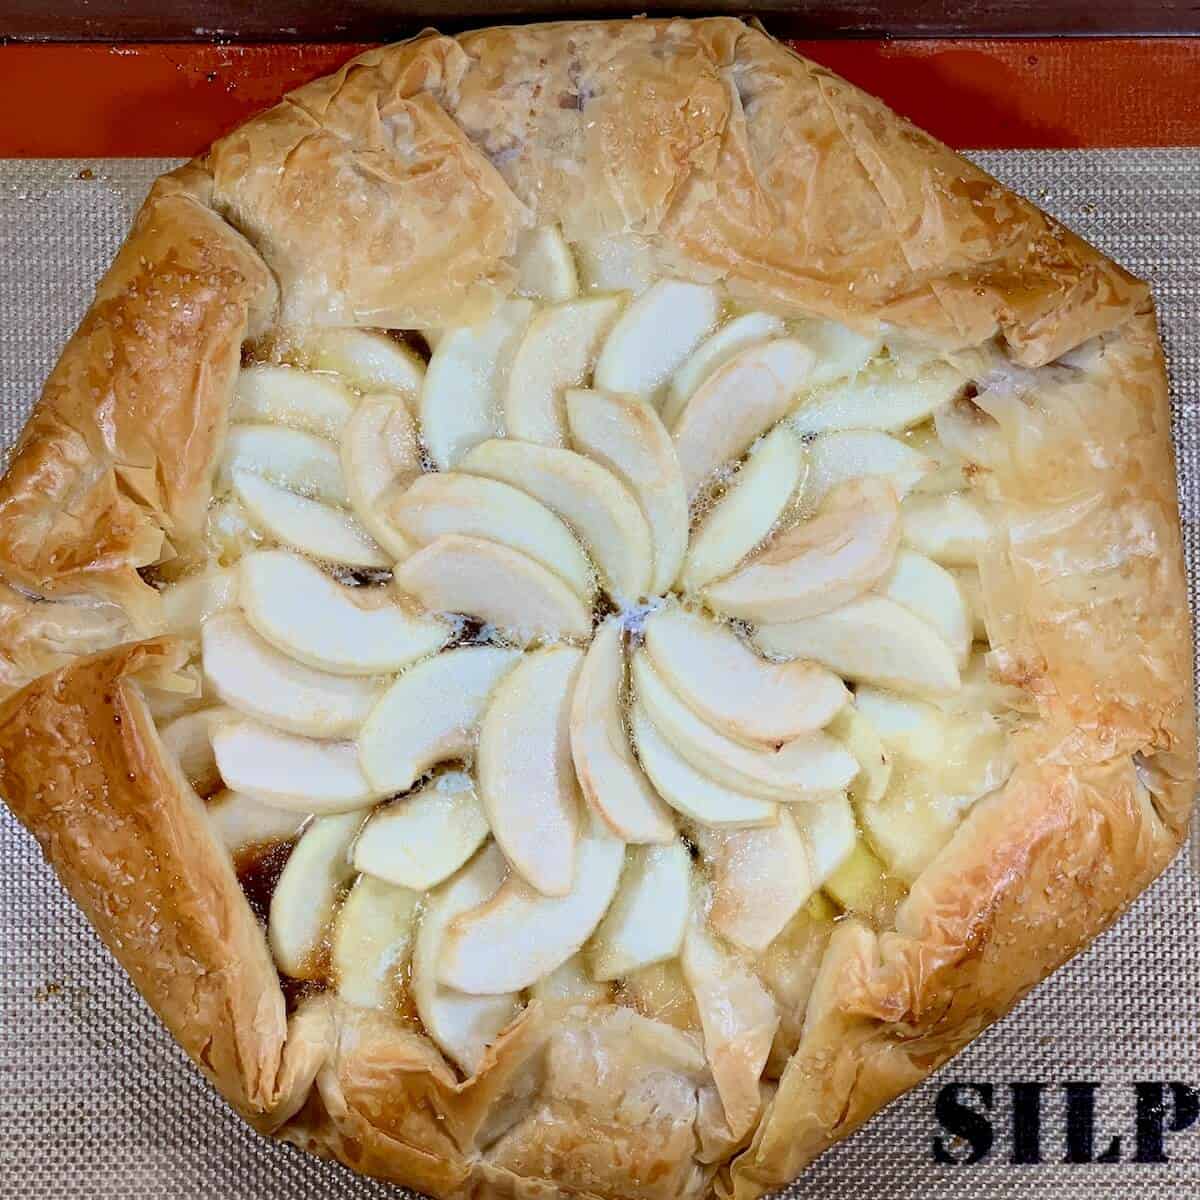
pixel 115 464
pixel 82 766
pixel 391 194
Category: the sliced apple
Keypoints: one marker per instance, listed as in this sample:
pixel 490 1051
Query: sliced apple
pixel 972 434
pixel 306 895
pixel 297 773
pixel 519 936
pixel 306 525
pixel 190 602
pixel 256 679
pixel 819 564
pixel 931 593
pixel 860 884
pixel 612 782
pixel 465 380
pixel 526 780
pixel 760 879
pixel 828 827
pixel 912 823
pixel 648 916
pixel 569 986
pixel 558 351
pixel 423 839
pixel 738 403
pixel 758 495
pixel 371 942
pixel 430 715
pixel 593 501
pixel 972 589
pixel 905 725
pixel 229 530
pixel 294 459
pixel 738 1018
pixel 852 453
pixel 883 397
pixel 950 529
pixel 545 267
pixel 624 434
pixel 688 790
pixel 473 505
pixel 288 396
pixel 367 359
pixel 736 691
pixel 870 640
pixel 928 799
pixel 948 474
pixel 241 821
pixel 812 763
pixel 660 993
pixel 496 584
pixel 189 738
pixel 736 335
pixel 858 734
pixel 655 335
pixel 296 607
pixel 380 457
pixel 463 1026
pixel 839 351
pixel 618 262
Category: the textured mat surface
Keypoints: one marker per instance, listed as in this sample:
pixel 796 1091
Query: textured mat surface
pixel 96 1100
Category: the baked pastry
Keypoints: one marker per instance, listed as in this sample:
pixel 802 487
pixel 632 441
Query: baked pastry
pixel 586 606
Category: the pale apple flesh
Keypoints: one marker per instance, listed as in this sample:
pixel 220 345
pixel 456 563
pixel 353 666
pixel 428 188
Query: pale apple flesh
pixel 819 564
pixel 625 435
pixel 496 584
pixel 249 674
pixel 299 399
pixel 302 774
pixel 526 780
pixel 610 778
pixel 738 403
pixel 380 457
pixel 306 895
pixel 756 499
pixel 592 500
pixel 688 790
pixel 807 764
pixel 509 942
pixel 558 352
pixel 723 680
pixel 872 640
pixel 430 714
pixel 648 917
pixel 289 457
pixel 655 335
pixel 347 631
pixel 367 359
pixel 452 502
pixel 488 635
pixel 736 335
pixel 371 941
pixel 463 1026
pixel 318 530
pixel 423 839
pixel 243 821
pixel 459 405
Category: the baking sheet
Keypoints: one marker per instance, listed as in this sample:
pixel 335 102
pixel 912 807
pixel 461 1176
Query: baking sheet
pixel 95 1098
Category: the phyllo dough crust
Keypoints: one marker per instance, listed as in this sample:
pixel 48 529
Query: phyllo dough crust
pixel 445 185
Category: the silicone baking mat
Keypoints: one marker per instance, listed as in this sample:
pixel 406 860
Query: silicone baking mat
pixel 96 1100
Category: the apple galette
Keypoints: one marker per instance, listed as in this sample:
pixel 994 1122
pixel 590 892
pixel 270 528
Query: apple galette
pixel 586 606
